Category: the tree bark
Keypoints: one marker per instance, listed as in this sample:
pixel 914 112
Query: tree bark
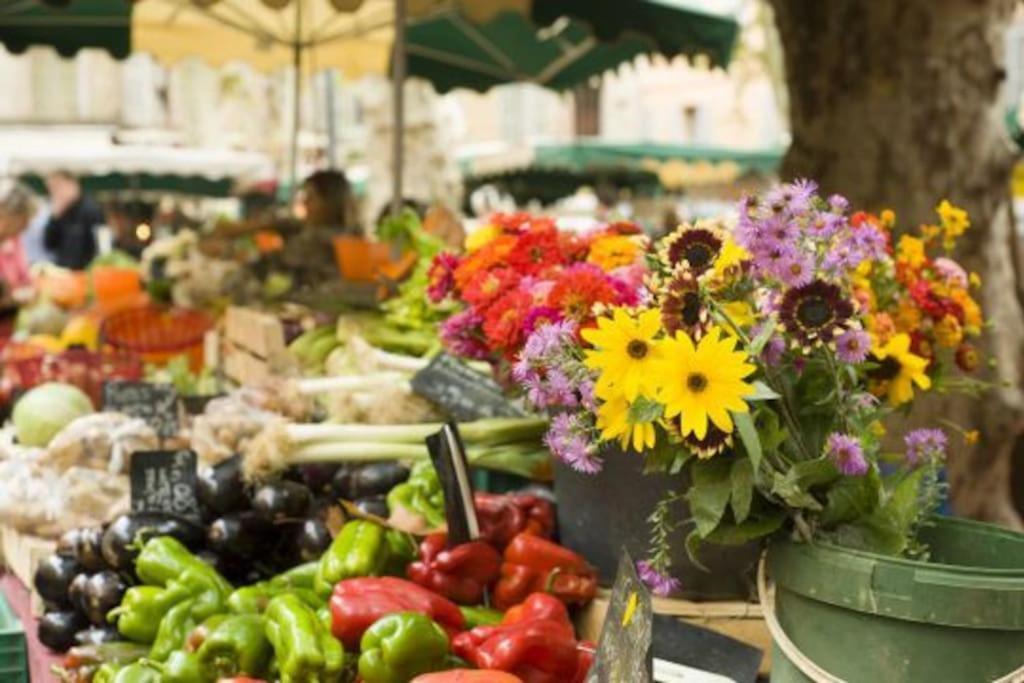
pixel 896 104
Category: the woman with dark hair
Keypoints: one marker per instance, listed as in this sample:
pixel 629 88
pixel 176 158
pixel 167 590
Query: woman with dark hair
pixel 327 210
pixel 328 202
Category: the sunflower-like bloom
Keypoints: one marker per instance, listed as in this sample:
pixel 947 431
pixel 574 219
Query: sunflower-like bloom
pixel 695 246
pixel 815 313
pixel 625 352
pixel 682 307
pixel 615 422
pixel 703 383
pixel 899 369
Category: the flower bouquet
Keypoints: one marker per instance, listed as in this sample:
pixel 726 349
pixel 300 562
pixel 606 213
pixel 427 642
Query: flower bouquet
pixel 761 358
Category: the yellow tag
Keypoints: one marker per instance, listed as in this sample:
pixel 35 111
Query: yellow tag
pixel 631 606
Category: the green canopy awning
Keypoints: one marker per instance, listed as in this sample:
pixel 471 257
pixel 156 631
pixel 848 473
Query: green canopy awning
pixel 562 51
pixel 145 183
pixel 548 185
pixel 69 28
pixel 588 154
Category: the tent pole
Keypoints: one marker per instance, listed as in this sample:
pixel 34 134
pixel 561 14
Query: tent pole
pixel 293 170
pixel 398 108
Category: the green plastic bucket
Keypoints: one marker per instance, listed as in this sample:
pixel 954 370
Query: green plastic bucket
pixel 867 618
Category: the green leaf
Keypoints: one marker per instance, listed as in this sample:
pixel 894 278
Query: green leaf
pixel 887 530
pixel 742 478
pixel 693 543
pixel 748 435
pixel 757 344
pixel 811 473
pixel 709 494
pixel 763 392
pixel 852 498
pixel 644 410
pixel 667 455
pixel 737 534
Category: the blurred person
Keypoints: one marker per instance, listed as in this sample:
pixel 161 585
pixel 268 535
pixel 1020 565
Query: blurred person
pixel 17 207
pixel 71 232
pixel 328 203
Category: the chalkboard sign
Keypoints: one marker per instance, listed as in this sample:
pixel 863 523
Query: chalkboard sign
pixel 624 650
pixel 165 482
pixel 157 404
pixel 462 391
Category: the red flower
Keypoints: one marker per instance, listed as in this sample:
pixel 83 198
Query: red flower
pixel 921 346
pixel 441 276
pixel 503 322
pixel 488 285
pixel 536 251
pixel 922 294
pixel 579 288
pixel 967 358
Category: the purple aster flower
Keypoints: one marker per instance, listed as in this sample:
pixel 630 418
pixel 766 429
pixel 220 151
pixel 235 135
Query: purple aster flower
pixel 523 371
pixel 795 270
pixel 773 351
pixel 847 454
pixel 587 398
pixel 852 346
pixel 924 445
pixel 536 392
pixel 548 339
pixel 660 584
pixel 801 193
pixel 561 390
pixel 838 203
pixel 568 440
pixel 462 335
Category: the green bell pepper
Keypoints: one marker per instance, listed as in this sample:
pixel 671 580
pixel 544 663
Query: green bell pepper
pixel 402 550
pixel 254 599
pixel 142 608
pixel 137 673
pixel 236 646
pixel 421 494
pixel 400 647
pixel 297 577
pixel 164 559
pixel 173 630
pixel 184 667
pixel 359 550
pixel 304 649
pixel 481 616
pixel 106 673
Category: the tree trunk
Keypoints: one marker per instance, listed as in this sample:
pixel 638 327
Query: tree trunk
pixel 896 103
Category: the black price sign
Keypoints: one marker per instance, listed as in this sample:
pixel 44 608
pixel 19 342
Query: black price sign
pixel 164 482
pixel 462 391
pixel 448 454
pixel 157 404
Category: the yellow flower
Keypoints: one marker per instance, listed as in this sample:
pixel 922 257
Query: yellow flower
pixel 948 332
pixel 954 222
pixel 887 217
pixel 703 382
pixel 730 260
pixel 880 327
pixel 975 280
pixel 625 352
pixel 971 437
pixel 972 311
pixel 740 313
pixel 910 250
pixel 613 420
pixel 900 369
pixel 613 251
pixel 877 428
pixel 481 237
pixel 908 316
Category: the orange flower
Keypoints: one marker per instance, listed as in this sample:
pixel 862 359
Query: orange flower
pixel 484 258
pixel 613 251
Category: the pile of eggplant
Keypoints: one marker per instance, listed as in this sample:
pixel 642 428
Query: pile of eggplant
pixel 247 533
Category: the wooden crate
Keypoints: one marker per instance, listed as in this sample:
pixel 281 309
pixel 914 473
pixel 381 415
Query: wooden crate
pixel 22 553
pixel 253 346
pixel 742 621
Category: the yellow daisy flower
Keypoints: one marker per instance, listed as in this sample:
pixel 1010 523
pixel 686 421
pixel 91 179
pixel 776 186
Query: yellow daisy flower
pixel 910 250
pixel 624 353
pixel 703 383
pixel 480 237
pixel 955 220
pixel 728 264
pixel 613 251
pixel 614 422
pixel 900 369
pixel 948 332
pixel 740 313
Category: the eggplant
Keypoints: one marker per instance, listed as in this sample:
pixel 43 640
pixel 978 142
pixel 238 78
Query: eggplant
pixel 373 505
pixel 221 489
pixel 53 578
pixel 89 551
pixel 317 477
pixel 121 540
pixel 341 483
pixel 282 500
pixel 97 635
pixel 240 534
pixel 376 479
pixel 312 540
pixel 57 629
pixel 76 592
pixel 67 544
pixel 103 592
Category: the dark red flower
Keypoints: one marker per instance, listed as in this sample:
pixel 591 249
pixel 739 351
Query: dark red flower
pixel 536 251
pixel 503 322
pixel 488 285
pixel 815 313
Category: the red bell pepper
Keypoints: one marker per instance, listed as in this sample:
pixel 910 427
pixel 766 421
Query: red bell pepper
pixel 468 676
pixel 461 573
pixel 537 651
pixel 539 606
pixel 357 603
pixel 501 517
pixel 533 564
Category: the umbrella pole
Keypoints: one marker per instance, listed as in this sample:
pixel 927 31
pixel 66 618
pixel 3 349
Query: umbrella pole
pixel 293 170
pixel 398 108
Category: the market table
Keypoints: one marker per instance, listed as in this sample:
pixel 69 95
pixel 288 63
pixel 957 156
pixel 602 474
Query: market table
pixel 18 597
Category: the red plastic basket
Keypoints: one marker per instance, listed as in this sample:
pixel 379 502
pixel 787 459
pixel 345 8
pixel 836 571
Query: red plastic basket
pixel 25 367
pixel 158 334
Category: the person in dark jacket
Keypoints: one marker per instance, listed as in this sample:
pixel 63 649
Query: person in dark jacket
pixel 71 233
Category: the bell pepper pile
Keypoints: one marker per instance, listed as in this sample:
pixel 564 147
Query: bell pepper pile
pixel 373 608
